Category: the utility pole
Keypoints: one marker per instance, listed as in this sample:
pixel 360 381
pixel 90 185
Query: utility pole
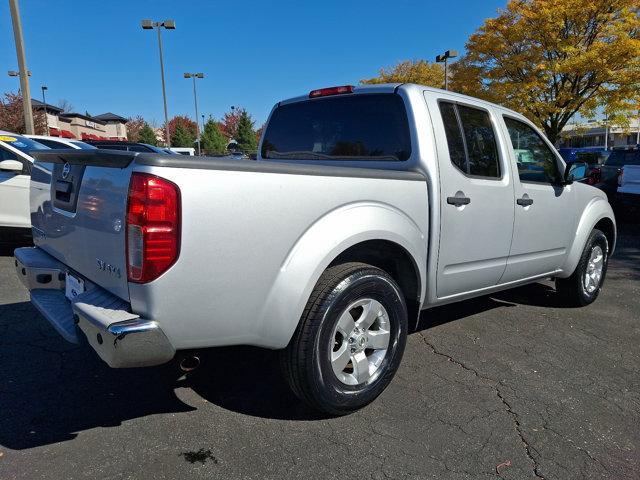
pixel 22 66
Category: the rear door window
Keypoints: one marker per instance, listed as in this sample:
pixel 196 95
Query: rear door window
pixel 350 127
pixel 471 140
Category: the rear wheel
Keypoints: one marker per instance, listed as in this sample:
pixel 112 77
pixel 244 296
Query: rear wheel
pixel 584 285
pixel 350 339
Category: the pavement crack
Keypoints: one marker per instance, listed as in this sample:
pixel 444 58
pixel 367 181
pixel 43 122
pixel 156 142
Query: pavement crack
pixel 518 427
pixel 528 449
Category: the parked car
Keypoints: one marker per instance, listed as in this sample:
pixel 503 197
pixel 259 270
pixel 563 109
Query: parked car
pixel 594 157
pixel 572 154
pixel 184 150
pixel 126 146
pixel 15 167
pixel 57 143
pixel 365 206
pixel 612 167
pixel 628 196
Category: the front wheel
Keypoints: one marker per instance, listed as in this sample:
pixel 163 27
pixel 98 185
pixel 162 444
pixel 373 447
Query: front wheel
pixel 350 339
pixel 584 285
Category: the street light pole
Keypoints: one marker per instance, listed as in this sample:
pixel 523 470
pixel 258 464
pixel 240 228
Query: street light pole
pixel 195 101
pixel 22 66
pixel 444 59
pixel 169 25
pixel 44 105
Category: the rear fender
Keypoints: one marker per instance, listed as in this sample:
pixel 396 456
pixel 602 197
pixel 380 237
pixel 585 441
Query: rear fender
pixel 320 244
pixel 597 209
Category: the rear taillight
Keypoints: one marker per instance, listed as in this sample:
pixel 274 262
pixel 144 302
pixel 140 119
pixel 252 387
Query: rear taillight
pixel 153 227
pixel 325 92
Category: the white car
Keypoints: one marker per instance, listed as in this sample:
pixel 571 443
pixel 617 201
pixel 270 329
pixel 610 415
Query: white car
pixel 15 171
pixel 57 143
pixel 184 150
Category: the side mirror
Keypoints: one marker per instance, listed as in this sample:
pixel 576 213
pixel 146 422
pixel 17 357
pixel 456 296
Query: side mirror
pixel 11 166
pixel 575 171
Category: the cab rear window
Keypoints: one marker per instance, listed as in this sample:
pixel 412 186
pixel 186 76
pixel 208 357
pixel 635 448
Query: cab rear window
pixel 354 127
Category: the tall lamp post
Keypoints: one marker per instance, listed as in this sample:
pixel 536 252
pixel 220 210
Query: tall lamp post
pixel 22 66
pixel 44 105
pixel 169 25
pixel 195 101
pixel 444 59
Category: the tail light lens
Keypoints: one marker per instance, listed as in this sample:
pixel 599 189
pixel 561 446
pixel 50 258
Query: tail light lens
pixel 153 227
pixel 594 176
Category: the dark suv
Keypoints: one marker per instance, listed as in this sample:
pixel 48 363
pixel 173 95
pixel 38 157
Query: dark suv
pixel 610 170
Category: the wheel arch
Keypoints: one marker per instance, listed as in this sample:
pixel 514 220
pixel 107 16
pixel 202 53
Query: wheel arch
pixel 597 214
pixel 356 232
pixel 393 259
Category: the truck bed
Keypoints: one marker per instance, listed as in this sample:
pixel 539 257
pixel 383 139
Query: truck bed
pixel 248 229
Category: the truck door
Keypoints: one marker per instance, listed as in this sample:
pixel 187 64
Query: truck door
pixel 545 218
pixel 476 201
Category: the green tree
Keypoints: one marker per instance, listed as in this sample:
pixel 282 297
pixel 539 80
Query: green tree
pixel 182 137
pixel 134 125
pixel 212 140
pixel 147 135
pixel 553 59
pixel 411 71
pixel 246 135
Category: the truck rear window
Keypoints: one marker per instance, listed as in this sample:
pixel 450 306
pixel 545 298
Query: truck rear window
pixel 354 127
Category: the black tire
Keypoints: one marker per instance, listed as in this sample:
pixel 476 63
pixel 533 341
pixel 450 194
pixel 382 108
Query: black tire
pixel 306 361
pixel 572 290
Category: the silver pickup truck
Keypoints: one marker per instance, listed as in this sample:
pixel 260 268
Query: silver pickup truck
pixel 365 206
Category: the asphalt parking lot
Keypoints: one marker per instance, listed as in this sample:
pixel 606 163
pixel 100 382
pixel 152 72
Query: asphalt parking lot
pixel 508 386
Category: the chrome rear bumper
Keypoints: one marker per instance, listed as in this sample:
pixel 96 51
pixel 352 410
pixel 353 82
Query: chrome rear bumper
pixel 121 338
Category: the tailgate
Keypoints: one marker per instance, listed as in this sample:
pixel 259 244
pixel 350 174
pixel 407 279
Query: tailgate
pixel 630 179
pixel 78 208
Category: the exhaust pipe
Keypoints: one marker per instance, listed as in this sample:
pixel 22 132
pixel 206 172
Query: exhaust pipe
pixel 189 363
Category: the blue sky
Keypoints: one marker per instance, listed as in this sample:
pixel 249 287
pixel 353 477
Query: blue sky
pixel 94 53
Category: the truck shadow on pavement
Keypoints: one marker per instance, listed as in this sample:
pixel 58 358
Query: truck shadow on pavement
pixel 50 390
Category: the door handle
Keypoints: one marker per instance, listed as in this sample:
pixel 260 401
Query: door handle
pixel 524 201
pixel 458 201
